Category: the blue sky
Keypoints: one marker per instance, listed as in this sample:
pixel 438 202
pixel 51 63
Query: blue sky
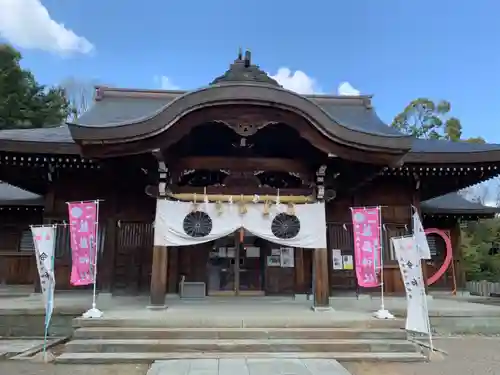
pixel 396 50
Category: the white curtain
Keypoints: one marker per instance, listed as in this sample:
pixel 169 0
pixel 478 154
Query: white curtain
pixel 169 223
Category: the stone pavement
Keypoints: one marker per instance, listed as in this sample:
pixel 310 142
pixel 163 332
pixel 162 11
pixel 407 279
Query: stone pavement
pixel 13 347
pixel 264 366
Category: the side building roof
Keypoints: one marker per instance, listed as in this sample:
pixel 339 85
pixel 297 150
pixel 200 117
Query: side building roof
pixel 13 196
pixel 455 204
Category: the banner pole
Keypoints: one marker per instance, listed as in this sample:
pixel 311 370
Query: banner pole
pixel 49 301
pixel 429 328
pixel 94 290
pixel 382 313
pixel 94 312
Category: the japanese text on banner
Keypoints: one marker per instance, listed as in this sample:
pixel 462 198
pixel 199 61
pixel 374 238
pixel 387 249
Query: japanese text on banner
pixel 44 241
pixel 83 218
pixel 367 241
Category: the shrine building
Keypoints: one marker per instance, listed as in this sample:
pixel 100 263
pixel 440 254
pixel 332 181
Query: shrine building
pixel 244 139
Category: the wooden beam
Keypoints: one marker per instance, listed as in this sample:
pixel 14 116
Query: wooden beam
pixel 242 164
pixel 238 191
pixel 240 198
pixel 321 284
pixel 158 277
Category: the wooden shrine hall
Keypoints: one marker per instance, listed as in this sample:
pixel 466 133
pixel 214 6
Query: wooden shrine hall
pixel 240 137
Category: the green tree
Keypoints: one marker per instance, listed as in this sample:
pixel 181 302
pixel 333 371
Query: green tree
pixel 424 118
pixel 480 244
pixel 24 103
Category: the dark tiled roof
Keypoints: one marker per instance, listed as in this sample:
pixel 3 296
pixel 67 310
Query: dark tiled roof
pixel 356 116
pixel 59 134
pixel 110 111
pixel 56 140
pixel 442 146
pixel 14 196
pixel 454 203
pixel 350 112
pixel 128 106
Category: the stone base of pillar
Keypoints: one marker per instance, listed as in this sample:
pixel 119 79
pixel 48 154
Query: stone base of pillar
pixel 156 307
pixel 322 308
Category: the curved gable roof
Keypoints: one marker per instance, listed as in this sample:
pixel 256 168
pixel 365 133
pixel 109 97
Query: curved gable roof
pixel 148 116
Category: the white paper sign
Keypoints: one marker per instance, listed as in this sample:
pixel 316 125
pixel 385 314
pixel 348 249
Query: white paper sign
pixel 287 257
pixel 252 252
pixel 337 259
pixel 44 241
pixel 347 262
pixel 417 318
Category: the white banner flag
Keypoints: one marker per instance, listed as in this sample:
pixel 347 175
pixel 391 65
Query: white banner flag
pixel 417 316
pixel 420 238
pixel 44 241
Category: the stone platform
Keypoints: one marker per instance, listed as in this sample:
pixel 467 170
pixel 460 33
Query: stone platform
pixel 23 316
pixel 227 328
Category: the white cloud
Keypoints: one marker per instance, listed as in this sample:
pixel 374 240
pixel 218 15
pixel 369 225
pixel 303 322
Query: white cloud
pixel 346 89
pixel 165 83
pixel 27 24
pixel 297 81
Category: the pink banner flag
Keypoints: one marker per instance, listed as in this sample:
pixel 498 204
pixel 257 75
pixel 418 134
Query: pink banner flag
pixel 83 219
pixel 366 229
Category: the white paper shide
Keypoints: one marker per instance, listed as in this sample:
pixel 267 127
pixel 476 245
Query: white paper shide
pixel 409 263
pixel 44 241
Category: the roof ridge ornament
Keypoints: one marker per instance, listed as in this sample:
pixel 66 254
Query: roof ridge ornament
pixel 242 70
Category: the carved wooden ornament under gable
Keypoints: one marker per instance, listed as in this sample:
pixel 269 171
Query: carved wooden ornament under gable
pixel 246 125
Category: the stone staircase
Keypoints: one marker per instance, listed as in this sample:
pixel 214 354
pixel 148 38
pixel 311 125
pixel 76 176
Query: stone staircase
pixel 115 342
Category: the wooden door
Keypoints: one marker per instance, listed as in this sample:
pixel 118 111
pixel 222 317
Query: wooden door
pixel 134 247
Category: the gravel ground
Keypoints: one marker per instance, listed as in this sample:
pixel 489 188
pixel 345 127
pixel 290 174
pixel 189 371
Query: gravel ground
pixel 27 368
pixel 469 355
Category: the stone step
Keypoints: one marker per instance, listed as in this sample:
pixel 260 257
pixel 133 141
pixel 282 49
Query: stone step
pixel 237 333
pixel 136 358
pixel 189 321
pixel 232 346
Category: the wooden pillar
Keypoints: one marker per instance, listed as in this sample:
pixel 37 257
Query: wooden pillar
pixel 320 276
pixel 158 277
pixel 458 272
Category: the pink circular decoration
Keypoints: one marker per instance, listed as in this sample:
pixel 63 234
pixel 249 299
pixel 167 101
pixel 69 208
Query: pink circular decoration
pixel 449 254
